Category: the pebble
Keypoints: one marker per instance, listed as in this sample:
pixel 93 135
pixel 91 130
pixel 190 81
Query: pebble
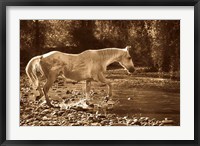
pixel 167 121
pixel 90 118
pixel 60 113
pixel 119 124
pixel 106 121
pixel 95 124
pixel 101 116
pixel 129 98
pixel 68 92
pixel 45 111
pixel 29 120
pixel 45 118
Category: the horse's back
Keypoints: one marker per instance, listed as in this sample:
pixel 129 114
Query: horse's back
pixel 51 54
pixel 90 55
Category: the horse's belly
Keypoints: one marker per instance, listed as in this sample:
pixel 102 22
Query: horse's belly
pixel 77 75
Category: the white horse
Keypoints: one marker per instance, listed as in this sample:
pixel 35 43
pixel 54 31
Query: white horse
pixel 89 65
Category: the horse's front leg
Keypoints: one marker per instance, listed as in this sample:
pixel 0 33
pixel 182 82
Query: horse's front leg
pixel 87 88
pixel 109 89
pixel 102 79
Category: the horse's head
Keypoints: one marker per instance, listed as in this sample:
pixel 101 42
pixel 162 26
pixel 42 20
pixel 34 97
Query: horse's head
pixel 126 60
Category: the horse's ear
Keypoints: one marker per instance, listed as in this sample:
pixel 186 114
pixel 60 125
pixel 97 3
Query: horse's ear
pixel 128 48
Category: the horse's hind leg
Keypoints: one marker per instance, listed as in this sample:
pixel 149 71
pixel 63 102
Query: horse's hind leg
pixel 41 93
pixel 39 88
pixel 50 80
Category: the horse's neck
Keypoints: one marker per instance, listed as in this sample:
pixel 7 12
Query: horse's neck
pixel 112 56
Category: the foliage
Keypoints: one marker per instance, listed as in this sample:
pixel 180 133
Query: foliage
pixel 155 43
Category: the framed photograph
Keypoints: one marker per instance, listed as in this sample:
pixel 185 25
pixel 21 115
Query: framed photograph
pixel 99 72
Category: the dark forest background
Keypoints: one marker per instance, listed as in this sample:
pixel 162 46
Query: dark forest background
pixel 155 43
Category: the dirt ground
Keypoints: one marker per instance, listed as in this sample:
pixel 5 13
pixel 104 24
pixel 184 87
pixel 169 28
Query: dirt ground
pixel 137 100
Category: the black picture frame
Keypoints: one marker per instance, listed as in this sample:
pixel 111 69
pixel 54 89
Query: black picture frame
pixel 5 3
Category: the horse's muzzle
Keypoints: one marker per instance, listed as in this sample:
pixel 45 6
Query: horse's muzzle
pixel 131 70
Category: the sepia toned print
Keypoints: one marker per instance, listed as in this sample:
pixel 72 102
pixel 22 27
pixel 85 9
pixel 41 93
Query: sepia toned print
pixel 99 73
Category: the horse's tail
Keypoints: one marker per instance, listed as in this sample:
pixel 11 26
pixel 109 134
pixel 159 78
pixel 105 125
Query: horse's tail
pixel 32 68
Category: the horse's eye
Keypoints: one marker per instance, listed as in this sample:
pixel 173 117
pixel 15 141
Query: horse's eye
pixel 129 58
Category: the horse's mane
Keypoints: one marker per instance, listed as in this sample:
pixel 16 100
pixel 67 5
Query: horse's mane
pixel 105 52
pixel 110 52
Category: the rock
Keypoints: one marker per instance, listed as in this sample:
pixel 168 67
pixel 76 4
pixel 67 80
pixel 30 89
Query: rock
pixel 68 92
pixel 166 121
pixel 45 118
pixel 125 118
pixel 105 122
pixel 153 120
pixel 142 118
pixel 60 113
pixel 46 111
pixel 90 118
pixel 29 120
pixel 83 116
pixel 129 98
pixel 53 113
pixel 106 98
pixel 25 95
pixel 161 124
pixel 66 101
pixel 36 113
pixel 118 124
pixel 78 108
pixel 91 105
pixel 144 124
pixel 129 121
pixel 101 116
pixel 110 102
pixel 75 124
pixel 28 110
pixel 54 123
pixel 154 124
pixel 136 122
pixel 111 116
pixel 146 119
pixel 26 116
pixel 46 123
pixel 72 121
pixel 60 84
pixel 72 99
pixel 96 119
pixel 95 124
pixel 35 123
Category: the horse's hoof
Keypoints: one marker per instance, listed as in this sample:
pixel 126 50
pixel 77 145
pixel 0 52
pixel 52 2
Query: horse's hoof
pixel 49 104
pixel 89 104
pixel 106 98
pixel 52 106
pixel 38 98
